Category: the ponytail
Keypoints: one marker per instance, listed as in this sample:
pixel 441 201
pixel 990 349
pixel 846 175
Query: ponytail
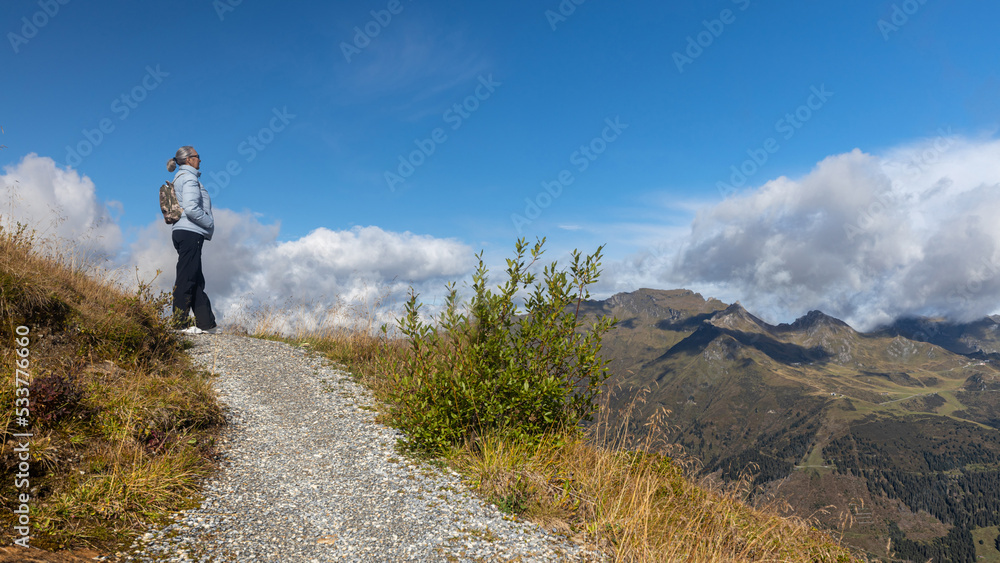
pixel 180 158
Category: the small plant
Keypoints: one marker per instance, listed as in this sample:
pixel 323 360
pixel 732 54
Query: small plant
pixel 512 503
pixel 55 396
pixel 495 369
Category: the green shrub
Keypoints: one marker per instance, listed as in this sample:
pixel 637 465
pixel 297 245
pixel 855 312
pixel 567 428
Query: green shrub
pixel 494 369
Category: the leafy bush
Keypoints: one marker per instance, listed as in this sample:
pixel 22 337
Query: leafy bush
pixel 493 369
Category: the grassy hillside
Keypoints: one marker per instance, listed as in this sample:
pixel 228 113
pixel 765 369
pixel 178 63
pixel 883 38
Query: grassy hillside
pixel 121 426
pixel 896 435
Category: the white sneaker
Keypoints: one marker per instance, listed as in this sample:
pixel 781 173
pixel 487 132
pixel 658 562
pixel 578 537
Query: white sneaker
pixel 192 330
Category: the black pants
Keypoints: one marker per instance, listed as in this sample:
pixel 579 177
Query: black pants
pixel 189 289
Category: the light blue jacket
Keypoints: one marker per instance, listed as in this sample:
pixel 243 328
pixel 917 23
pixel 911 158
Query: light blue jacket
pixel 195 202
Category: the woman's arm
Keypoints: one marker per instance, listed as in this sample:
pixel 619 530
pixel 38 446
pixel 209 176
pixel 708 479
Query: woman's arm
pixel 189 197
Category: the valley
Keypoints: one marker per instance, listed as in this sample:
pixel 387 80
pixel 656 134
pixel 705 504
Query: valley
pixel 891 438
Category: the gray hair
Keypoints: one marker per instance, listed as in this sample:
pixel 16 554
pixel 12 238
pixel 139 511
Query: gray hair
pixel 180 158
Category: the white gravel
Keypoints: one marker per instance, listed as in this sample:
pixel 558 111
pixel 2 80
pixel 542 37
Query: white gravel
pixel 308 475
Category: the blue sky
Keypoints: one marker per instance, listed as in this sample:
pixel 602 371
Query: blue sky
pixel 643 107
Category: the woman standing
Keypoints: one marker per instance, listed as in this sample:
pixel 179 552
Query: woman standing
pixel 195 226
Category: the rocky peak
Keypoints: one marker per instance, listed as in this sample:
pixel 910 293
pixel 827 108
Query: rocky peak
pixel 735 317
pixel 658 304
pixel 816 319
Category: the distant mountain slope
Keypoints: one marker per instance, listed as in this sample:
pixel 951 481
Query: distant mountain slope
pixel 651 321
pixel 980 337
pixel 901 424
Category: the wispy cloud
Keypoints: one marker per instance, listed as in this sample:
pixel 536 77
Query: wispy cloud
pixel 414 57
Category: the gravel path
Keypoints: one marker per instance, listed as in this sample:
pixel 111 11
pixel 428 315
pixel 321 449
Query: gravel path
pixel 308 475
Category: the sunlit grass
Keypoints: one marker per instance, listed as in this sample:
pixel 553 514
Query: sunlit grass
pixel 632 501
pixel 122 425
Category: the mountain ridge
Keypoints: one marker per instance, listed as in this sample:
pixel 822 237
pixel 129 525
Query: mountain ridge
pixel 785 401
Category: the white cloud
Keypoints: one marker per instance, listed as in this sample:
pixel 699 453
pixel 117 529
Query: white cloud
pixel 226 259
pixel 60 205
pixel 309 281
pixel 362 265
pixel 864 238
pixel 302 281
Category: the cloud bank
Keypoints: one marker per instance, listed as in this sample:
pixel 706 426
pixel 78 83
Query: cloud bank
pixel 861 237
pixel 319 280
pixel 314 281
pixel 60 206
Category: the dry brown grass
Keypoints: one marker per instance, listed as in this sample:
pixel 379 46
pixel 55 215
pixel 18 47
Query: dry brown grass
pixel 638 500
pixel 122 425
pixel 636 505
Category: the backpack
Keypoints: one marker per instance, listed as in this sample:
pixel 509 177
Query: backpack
pixel 169 205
